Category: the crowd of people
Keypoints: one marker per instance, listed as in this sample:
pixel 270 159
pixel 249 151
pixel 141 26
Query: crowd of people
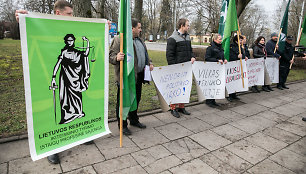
pixel 179 50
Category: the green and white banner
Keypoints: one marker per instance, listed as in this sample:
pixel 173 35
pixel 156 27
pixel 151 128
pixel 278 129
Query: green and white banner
pixel 65 65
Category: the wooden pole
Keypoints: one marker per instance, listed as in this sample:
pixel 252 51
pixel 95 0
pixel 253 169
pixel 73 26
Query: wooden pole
pixel 280 31
pixel 297 43
pixel 240 58
pixel 121 89
pixel 240 34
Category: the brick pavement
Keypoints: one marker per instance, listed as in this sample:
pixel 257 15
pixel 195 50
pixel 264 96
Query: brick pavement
pixel 262 133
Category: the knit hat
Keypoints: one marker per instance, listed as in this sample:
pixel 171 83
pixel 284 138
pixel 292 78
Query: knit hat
pixel 274 34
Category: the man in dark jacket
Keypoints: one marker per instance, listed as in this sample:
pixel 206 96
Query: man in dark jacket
pixel 235 55
pixel 215 53
pixel 141 59
pixel 270 47
pixel 179 51
pixel 284 62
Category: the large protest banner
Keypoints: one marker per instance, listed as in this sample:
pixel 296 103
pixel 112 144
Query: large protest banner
pixel 65 65
pixel 256 71
pixel 174 82
pixel 233 77
pixel 210 77
pixel 272 65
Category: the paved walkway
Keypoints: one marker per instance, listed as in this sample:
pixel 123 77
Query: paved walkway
pixel 261 134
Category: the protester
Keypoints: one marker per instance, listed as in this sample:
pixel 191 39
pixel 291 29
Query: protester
pixel 245 47
pixel 179 51
pixel 270 47
pixel 285 62
pixel 62 8
pixel 215 53
pixel 141 59
pixel 235 55
pixel 259 51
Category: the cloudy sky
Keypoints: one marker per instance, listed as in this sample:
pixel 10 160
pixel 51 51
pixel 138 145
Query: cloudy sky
pixel 270 6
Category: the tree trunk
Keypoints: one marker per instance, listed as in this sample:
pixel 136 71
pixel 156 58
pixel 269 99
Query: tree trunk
pixel 138 9
pixel 82 8
pixel 241 4
pixel 102 9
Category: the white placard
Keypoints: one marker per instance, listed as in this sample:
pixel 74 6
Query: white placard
pixel 256 71
pixel 233 77
pixel 147 74
pixel 272 65
pixel 174 82
pixel 210 77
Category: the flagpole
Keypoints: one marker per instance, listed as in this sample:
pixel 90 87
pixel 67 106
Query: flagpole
pixel 121 89
pixel 238 35
pixel 299 32
pixel 280 31
pixel 301 17
pixel 297 43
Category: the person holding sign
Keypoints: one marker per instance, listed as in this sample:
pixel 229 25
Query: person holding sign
pixel 141 59
pixel 179 51
pixel 215 53
pixel 245 47
pixel 63 8
pixel 234 55
pixel 259 51
pixel 285 62
pixel 270 47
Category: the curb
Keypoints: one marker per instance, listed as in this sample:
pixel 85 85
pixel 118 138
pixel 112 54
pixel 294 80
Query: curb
pixel 142 114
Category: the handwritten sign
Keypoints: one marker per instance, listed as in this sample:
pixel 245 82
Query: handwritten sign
pixel 210 77
pixel 272 65
pixel 256 72
pixel 233 76
pixel 174 82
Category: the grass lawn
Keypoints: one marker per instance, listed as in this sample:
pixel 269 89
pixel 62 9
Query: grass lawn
pixel 12 108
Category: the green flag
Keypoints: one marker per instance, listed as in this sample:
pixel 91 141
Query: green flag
pixel 129 86
pixel 230 26
pixel 303 36
pixel 223 17
pixel 284 26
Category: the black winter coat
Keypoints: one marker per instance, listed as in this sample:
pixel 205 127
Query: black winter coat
pixel 259 51
pixel 246 51
pixel 270 47
pixel 234 52
pixel 287 55
pixel 214 52
pixel 178 48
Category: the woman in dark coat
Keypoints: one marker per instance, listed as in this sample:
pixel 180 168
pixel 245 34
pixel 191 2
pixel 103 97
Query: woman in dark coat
pixel 259 51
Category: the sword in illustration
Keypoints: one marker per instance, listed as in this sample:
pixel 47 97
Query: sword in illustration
pixel 53 88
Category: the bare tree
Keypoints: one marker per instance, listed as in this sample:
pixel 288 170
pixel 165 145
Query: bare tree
pixel 152 12
pixel 7 14
pixel 166 17
pixel 82 8
pixel 253 23
pixel 210 13
pixel 198 25
pixel 294 17
pixel 138 9
pixel 42 6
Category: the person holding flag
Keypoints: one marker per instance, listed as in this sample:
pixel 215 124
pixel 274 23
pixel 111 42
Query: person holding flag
pixel 233 51
pixel 141 59
pixel 235 54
